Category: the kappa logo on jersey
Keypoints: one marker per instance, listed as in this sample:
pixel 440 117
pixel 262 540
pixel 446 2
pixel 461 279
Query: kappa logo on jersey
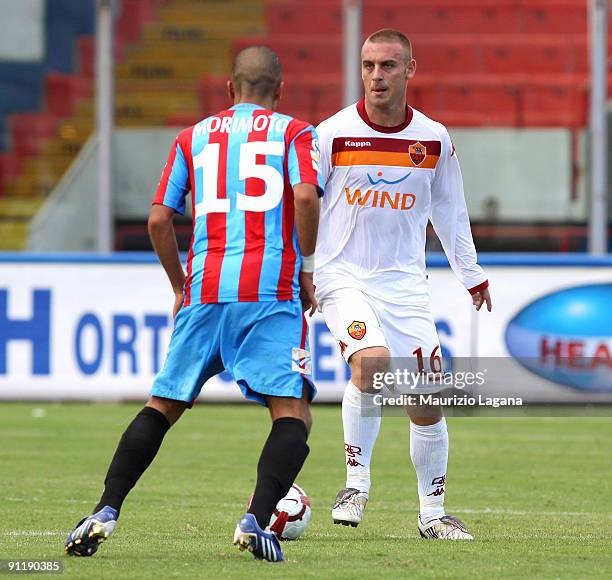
pixel 301 361
pixel 357 330
pixel 417 153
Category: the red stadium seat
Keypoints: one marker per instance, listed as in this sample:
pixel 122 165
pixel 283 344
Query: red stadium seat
pixel 554 102
pixel 478 16
pixel 442 17
pixel 63 91
pixel 301 54
pixel 213 95
pixel 86 56
pixel 29 129
pixel 321 18
pixel 465 101
pixel 132 16
pixel 311 99
pixel 555 17
pixel 10 164
pixel 529 54
pixel 446 54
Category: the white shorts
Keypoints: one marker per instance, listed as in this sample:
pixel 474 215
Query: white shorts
pixel 358 320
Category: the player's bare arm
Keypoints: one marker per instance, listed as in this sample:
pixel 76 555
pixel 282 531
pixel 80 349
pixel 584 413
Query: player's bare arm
pixel 163 238
pixel 306 200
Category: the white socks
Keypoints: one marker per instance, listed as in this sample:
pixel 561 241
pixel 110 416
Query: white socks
pixel 361 421
pixel 428 450
pixel 429 454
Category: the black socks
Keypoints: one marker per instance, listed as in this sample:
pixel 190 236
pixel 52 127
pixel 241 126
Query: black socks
pixel 280 462
pixel 137 448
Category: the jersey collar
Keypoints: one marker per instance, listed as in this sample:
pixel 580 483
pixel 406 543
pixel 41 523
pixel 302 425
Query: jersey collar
pixel 246 106
pixel 381 128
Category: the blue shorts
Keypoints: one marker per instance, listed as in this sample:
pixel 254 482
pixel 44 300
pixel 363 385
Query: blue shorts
pixel 263 345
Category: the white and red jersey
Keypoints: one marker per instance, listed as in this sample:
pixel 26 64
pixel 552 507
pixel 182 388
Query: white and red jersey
pixel 383 184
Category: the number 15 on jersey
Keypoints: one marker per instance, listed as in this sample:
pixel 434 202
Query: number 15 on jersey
pixel 208 161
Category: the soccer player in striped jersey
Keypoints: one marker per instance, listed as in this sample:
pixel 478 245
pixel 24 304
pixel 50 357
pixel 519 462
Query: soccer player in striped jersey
pixel 254 182
pixel 388 170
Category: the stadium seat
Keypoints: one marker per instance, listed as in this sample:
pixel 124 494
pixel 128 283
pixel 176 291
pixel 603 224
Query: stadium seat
pixel 320 18
pixel 132 16
pixel 478 16
pixel 19 208
pixel 9 169
pixel 29 129
pixel 301 55
pixel 447 54
pixel 465 101
pixel 312 99
pixel 528 54
pixel 213 95
pixel 555 17
pixel 439 17
pixel 14 234
pixel 62 92
pixel 86 48
pixel 560 102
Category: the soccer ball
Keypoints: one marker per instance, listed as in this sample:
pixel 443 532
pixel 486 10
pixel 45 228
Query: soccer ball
pixel 291 515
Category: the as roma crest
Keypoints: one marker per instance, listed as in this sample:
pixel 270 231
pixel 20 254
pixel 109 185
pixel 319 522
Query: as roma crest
pixel 357 330
pixel 417 153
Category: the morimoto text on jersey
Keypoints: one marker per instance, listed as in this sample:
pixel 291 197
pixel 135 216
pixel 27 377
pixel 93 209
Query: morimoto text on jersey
pixel 240 166
pixel 382 186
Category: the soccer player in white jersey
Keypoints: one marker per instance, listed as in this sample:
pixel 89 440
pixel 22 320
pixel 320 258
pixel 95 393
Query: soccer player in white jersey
pixel 388 170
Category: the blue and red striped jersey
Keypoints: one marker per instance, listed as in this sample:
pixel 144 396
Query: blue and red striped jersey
pixel 241 166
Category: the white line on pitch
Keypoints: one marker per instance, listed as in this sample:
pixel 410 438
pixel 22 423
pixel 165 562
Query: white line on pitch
pixel 34 533
pixel 525 512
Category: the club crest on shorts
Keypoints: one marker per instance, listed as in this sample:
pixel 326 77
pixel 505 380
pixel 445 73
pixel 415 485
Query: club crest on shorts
pixel 357 330
pixel 301 361
pixel 417 153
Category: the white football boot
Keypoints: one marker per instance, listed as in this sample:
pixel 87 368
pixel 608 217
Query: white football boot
pixel 444 528
pixel 349 506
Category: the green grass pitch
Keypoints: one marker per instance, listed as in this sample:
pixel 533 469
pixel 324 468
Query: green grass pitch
pixel 535 492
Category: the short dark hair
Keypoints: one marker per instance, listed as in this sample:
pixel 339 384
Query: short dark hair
pixel 256 71
pixel 391 35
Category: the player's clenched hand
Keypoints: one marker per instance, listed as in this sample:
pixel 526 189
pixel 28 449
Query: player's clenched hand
pixel 307 293
pixel 480 298
pixel 178 303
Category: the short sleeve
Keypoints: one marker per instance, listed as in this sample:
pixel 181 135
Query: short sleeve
pixel 325 146
pixel 303 159
pixel 174 183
